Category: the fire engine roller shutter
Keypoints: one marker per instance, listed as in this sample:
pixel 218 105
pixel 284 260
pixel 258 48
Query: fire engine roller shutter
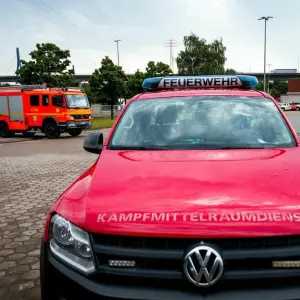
pixel 15 108
pixel 3 106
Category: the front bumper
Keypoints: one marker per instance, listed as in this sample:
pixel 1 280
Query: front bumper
pixel 61 280
pixel 76 125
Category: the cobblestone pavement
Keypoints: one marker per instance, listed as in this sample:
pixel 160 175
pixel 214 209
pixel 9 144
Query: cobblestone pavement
pixel 33 173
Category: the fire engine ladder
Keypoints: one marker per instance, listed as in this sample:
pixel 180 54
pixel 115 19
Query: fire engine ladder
pixel 41 87
pixel 30 87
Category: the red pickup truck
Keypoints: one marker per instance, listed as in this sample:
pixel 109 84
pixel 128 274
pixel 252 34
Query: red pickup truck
pixel 190 198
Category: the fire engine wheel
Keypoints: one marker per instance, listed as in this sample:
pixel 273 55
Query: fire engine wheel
pixel 5 132
pixel 74 132
pixel 52 131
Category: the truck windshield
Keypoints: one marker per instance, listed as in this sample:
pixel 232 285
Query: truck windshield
pixel 77 101
pixel 202 122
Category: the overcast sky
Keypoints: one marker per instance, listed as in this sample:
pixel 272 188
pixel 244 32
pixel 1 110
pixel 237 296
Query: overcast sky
pixel 88 29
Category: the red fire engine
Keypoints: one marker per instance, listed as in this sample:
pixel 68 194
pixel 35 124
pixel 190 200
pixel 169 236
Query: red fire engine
pixel 30 109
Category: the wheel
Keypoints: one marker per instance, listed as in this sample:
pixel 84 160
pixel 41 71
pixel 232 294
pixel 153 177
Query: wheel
pixel 28 134
pixel 52 131
pixel 297 108
pixel 5 132
pixel 74 132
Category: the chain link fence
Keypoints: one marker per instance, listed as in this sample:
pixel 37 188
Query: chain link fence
pixel 103 111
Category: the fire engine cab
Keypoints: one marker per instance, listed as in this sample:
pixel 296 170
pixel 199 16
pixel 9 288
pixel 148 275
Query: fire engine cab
pixel 32 109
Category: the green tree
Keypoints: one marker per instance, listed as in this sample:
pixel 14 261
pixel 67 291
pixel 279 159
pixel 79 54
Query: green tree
pixel 200 57
pixel 230 71
pixel 277 88
pixel 275 93
pixel 157 69
pixel 135 83
pixel 49 64
pixel 260 86
pixel 109 81
pixel 280 86
pixel 87 89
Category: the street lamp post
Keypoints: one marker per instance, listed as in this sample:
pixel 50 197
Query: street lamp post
pixel 265 47
pixel 269 65
pixel 117 41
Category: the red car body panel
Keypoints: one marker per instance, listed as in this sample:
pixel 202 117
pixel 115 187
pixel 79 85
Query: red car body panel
pixel 198 183
pixel 201 182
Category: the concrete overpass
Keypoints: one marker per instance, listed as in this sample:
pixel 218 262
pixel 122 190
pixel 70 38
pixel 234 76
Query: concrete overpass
pixel 260 77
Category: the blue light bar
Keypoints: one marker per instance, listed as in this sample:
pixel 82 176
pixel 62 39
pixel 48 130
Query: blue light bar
pixel 199 81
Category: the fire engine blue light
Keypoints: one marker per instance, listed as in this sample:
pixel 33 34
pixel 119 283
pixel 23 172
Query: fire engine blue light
pixel 199 81
pixel 248 81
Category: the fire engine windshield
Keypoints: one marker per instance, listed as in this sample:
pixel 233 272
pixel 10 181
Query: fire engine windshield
pixel 77 101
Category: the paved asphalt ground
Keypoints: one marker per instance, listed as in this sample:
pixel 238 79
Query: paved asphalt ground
pixel 33 173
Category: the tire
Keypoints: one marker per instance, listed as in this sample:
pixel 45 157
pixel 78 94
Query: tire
pixel 48 291
pixel 28 134
pixel 74 132
pixel 52 131
pixel 5 132
pixel 297 108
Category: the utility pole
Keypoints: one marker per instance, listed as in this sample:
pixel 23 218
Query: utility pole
pixel 170 44
pixel 265 47
pixel 117 41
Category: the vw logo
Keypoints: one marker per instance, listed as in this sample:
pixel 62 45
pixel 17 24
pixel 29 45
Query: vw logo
pixel 203 266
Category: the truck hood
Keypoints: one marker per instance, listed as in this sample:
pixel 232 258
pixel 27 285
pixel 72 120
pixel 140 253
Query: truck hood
pixel 226 193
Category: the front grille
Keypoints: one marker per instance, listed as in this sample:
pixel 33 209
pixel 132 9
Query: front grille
pixel 80 117
pixel 246 260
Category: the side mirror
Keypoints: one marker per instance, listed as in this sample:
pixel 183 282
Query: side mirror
pixel 93 142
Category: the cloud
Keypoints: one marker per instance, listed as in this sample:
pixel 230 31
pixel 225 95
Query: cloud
pixel 89 28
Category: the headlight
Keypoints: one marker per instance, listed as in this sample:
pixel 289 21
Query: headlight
pixel 71 118
pixel 71 244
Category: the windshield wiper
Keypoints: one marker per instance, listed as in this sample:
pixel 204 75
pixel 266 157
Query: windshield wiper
pixel 242 147
pixel 136 148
